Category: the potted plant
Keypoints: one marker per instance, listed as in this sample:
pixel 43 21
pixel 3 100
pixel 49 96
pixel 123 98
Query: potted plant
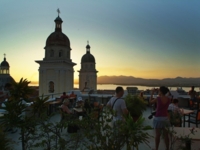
pixel 135 132
pixel 187 140
pixel 135 105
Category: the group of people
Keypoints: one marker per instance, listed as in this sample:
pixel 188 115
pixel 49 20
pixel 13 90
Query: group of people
pixel 66 102
pixel 165 104
pixel 161 119
pixel 72 95
pixel 193 94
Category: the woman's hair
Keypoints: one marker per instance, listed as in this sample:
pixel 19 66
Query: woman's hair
pixel 175 101
pixel 164 90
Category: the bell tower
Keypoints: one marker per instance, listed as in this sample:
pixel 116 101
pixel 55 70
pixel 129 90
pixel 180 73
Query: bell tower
pixel 88 72
pixel 56 72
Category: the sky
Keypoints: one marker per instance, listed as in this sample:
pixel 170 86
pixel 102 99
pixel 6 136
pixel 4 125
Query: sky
pixel 140 38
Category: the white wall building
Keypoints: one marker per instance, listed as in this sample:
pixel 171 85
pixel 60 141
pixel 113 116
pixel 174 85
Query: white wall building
pixel 56 73
pixel 88 72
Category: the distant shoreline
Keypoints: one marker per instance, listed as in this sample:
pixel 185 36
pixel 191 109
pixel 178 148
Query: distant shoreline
pixel 135 85
pixel 157 85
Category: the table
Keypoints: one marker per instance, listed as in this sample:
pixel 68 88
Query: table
pixel 79 110
pixel 51 103
pixel 72 101
pixel 3 111
pixel 50 99
pixel 186 112
pixel 55 102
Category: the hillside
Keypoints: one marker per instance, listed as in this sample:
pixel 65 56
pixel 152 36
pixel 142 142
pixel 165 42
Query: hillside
pixel 130 80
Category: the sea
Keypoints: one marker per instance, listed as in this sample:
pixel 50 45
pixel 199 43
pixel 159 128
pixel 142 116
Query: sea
pixel 113 87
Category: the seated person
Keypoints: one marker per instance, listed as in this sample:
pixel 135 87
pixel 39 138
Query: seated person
pixel 64 96
pixel 141 95
pixel 72 95
pixel 175 113
pixel 80 102
pixel 65 107
pixel 193 94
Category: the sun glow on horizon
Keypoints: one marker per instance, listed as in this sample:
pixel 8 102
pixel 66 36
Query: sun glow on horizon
pixel 122 39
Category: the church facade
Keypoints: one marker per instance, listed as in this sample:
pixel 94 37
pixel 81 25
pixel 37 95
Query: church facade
pixel 88 72
pixel 56 72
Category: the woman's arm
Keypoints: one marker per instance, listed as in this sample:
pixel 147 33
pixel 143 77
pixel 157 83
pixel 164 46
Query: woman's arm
pixel 152 100
pixel 66 109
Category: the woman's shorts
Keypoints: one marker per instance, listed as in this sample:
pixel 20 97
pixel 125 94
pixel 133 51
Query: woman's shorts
pixel 161 122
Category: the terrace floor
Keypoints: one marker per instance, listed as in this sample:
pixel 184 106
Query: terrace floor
pixel 195 145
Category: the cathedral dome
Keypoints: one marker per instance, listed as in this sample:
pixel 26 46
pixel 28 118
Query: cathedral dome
pixel 4 63
pixel 58 38
pixel 88 58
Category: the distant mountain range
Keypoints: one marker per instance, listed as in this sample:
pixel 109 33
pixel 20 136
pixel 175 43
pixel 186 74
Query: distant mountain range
pixel 130 80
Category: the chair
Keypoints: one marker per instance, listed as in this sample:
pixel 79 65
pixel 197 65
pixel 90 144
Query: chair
pixel 194 118
pixel 175 119
pixel 96 111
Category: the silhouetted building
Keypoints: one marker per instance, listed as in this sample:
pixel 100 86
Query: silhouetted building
pixel 88 72
pixel 56 73
pixel 5 73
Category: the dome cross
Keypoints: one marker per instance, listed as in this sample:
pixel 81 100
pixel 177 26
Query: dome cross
pixel 58 10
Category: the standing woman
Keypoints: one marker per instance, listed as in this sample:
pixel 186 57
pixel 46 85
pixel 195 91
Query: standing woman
pixel 161 119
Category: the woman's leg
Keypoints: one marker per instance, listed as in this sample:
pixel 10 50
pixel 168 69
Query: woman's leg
pixel 157 138
pixel 166 136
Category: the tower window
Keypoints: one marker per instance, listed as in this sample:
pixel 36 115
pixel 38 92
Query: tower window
pixel 51 87
pixel 51 53
pixel 60 53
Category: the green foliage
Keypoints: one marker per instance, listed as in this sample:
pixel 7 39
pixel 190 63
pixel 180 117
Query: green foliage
pixel 4 142
pixel 40 107
pixel 185 139
pixel 13 116
pixel 39 131
pixel 20 90
pixel 175 118
pixel 102 136
pixel 135 105
pixel 105 136
pixel 15 108
pixel 135 132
